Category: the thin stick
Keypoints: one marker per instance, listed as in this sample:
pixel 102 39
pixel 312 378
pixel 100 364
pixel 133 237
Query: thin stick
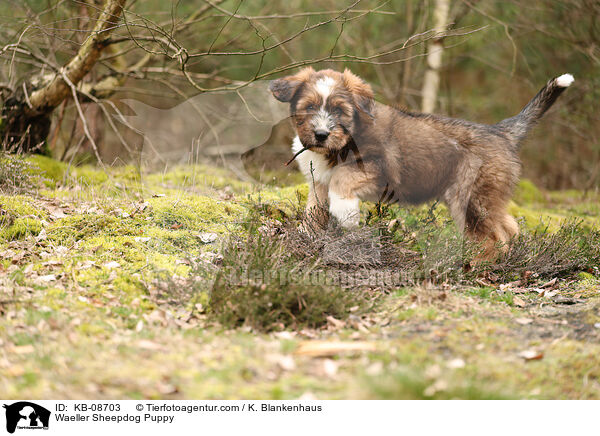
pixel 295 156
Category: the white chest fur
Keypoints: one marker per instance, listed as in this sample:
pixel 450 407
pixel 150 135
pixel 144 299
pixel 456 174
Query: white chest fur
pixel 312 165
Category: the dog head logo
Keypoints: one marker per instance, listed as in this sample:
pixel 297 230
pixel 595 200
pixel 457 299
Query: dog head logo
pixel 26 415
pixel 328 107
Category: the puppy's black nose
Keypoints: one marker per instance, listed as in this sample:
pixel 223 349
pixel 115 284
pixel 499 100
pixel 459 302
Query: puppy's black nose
pixel 321 135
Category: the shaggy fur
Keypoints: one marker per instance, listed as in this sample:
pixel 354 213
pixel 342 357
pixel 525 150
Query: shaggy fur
pixel 357 149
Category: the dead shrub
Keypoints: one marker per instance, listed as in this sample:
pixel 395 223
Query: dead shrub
pixel 263 284
pixel 16 174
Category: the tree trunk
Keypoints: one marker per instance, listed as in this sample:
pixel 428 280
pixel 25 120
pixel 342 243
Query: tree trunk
pixel 26 114
pixel 431 82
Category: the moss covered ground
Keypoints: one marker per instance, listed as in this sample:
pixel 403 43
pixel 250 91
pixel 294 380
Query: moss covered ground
pixel 101 296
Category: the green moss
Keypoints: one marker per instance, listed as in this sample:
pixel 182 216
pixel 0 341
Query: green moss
pixel 89 175
pixel 586 276
pixel 202 177
pixel 197 213
pixel 412 384
pixel 534 218
pixel 20 217
pixel 50 169
pixel 20 205
pixel 93 329
pixel 527 193
pixel 20 228
pixel 76 227
pixel 279 203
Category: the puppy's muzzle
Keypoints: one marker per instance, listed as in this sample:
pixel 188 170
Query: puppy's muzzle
pixel 321 134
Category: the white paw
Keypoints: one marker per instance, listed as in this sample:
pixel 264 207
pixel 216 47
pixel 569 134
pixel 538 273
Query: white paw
pixel 345 210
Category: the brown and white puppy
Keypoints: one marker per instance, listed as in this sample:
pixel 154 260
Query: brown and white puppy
pixel 358 149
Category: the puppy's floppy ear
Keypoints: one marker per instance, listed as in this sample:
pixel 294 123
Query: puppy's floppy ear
pixel 285 89
pixel 361 91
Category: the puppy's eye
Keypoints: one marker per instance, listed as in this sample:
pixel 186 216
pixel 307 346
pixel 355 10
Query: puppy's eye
pixel 337 111
pixel 310 107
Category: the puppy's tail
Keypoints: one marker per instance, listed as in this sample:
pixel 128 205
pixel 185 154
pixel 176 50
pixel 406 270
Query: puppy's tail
pixel 518 126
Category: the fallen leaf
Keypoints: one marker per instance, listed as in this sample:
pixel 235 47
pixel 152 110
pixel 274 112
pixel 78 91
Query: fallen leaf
pixel 335 323
pixel 207 237
pixel 331 348
pixel 167 388
pixel 7 254
pixel 14 371
pixel 286 363
pixel 376 368
pixel 61 251
pixel 41 236
pixel 307 396
pixel 439 385
pixel 23 349
pixel 47 278
pixel 158 195
pixel 519 302
pixel 211 257
pixel 52 263
pixel 433 371
pixel 531 354
pixel 112 265
pixel 284 335
pixel 526 276
pixel 86 264
pixel 456 363
pixel 56 212
pixel 141 239
pixel 148 345
pixel 523 321
pixel 550 283
pixel 330 367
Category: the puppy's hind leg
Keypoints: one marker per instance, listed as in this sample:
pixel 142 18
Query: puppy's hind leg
pixel 458 193
pixel 493 228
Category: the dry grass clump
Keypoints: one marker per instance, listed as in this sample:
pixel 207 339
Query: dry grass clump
pixel 16 174
pixel 570 250
pixel 263 284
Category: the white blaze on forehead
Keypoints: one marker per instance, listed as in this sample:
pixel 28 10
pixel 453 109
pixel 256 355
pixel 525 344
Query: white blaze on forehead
pixel 323 121
pixel 325 86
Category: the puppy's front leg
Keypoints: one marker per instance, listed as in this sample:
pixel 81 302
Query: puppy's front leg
pixel 347 185
pixel 344 209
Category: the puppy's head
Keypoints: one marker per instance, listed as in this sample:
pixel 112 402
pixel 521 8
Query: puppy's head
pixel 327 106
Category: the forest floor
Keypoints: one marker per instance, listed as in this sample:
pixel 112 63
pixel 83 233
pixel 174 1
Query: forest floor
pixel 106 281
